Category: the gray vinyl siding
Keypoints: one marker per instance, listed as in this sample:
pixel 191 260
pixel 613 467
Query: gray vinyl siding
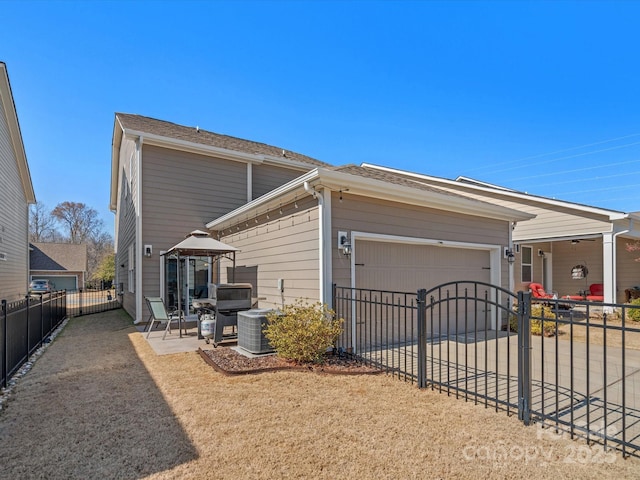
pixel 182 192
pixel 549 222
pixel 628 268
pixel 14 221
pixel 285 246
pixel 126 220
pixel 269 177
pixel 383 217
pixel 566 255
pixel 536 266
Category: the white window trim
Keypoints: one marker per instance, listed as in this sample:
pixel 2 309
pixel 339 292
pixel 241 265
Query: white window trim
pixel 522 264
pixel 131 270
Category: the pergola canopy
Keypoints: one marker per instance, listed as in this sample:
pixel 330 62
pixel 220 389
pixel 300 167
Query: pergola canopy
pixel 200 244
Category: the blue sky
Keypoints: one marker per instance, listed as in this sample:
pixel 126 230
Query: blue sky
pixel 538 96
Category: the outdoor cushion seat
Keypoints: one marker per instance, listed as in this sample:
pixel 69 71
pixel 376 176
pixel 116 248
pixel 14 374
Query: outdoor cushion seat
pixel 537 291
pixel 596 292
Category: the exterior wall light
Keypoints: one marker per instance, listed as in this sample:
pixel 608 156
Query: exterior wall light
pixel 509 255
pixel 344 244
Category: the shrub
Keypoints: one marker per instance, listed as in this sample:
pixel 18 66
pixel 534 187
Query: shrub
pixel 538 326
pixel 634 313
pixel 303 332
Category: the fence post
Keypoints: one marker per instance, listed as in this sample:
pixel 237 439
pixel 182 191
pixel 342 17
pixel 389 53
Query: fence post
pixel 4 343
pixel 422 338
pixel 28 301
pixel 524 357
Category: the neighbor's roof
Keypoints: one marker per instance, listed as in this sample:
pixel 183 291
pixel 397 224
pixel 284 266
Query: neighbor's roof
pixel 138 123
pixel 10 113
pixel 70 257
pixel 466 183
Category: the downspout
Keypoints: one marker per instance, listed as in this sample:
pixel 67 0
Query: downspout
pixel 511 265
pixel 322 227
pixel 138 236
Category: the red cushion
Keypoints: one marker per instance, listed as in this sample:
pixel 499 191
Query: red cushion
pixel 537 291
pixel 596 290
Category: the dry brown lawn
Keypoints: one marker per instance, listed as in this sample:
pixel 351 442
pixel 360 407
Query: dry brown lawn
pixel 101 404
pixel 595 330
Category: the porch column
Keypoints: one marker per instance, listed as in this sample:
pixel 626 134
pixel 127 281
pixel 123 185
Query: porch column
pixel 608 262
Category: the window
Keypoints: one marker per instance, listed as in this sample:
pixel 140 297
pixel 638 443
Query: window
pixel 526 259
pixel 131 272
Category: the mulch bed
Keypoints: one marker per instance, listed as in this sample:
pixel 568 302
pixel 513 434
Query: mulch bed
pixel 230 362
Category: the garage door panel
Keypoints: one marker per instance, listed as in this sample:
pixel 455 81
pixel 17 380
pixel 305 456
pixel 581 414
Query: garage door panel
pixel 59 282
pixel 408 268
pixel 401 267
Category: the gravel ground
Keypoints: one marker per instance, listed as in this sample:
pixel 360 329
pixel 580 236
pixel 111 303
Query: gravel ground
pixel 100 404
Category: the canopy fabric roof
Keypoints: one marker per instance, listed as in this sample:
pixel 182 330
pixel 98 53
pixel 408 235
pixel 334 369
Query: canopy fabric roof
pixel 199 243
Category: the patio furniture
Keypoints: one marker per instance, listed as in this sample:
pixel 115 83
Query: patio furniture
pixel 158 313
pixel 595 293
pixel 538 292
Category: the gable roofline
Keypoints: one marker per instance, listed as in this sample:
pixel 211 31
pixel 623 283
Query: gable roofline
pixel 357 184
pixel 16 135
pixel 179 137
pixel 487 187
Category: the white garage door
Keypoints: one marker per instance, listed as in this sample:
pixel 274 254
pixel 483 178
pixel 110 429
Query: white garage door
pixel 407 268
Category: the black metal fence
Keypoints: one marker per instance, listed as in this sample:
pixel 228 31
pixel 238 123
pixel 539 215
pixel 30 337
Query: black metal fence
pixel 579 374
pixel 24 326
pixel 88 301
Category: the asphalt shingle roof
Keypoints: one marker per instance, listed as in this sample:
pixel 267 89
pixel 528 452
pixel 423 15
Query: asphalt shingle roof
pixel 191 134
pixel 58 256
pixel 397 179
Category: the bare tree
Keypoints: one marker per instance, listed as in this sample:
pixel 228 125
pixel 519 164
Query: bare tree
pixel 42 224
pixel 80 222
pixel 633 247
pixel 99 247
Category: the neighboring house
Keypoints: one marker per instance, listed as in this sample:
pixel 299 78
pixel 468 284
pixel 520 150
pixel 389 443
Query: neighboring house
pixel 562 236
pixel 285 211
pixel 63 264
pixel 16 194
pixel 168 180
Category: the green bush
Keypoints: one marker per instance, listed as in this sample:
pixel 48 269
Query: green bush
pixel 303 332
pixel 538 327
pixel 634 313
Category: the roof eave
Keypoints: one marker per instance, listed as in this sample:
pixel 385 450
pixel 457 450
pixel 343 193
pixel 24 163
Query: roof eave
pixel 116 142
pixel 16 135
pixel 378 189
pixel 278 193
pixel 610 214
pixel 209 150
